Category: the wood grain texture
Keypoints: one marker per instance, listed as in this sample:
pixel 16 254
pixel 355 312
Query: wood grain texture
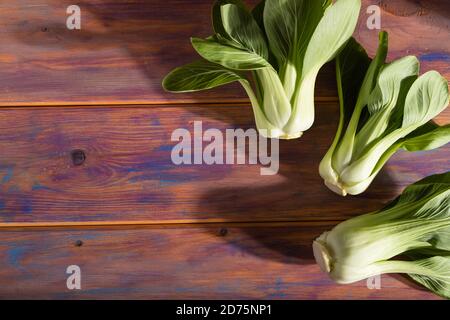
pixel 201 243
pixel 120 55
pixel 125 48
pixel 420 28
pixel 214 262
pixel 128 174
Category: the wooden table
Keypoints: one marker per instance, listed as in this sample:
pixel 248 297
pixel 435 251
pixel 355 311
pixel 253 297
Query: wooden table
pixel 137 225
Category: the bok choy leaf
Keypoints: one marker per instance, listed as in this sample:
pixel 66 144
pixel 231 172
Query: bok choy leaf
pixel 275 52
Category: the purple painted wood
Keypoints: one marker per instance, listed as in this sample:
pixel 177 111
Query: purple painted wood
pixel 129 176
pixel 179 262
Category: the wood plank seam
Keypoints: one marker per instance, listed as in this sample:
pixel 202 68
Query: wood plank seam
pixel 133 226
pixel 155 223
pixel 168 104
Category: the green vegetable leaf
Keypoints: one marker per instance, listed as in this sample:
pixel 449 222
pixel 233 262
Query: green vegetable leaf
pixel 199 75
pixel 239 26
pixel 384 99
pixel 426 188
pixel 351 68
pixel 429 136
pixel 217 15
pixel 370 80
pixel 258 15
pixel 436 275
pixel 427 98
pixel 228 56
pixel 333 31
pixel 389 82
pixel 290 25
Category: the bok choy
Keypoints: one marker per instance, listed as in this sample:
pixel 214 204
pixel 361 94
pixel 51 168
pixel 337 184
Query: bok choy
pixel 384 107
pixel 415 227
pixel 275 51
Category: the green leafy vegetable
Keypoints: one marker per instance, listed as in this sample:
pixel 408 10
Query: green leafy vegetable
pixel 384 107
pixel 275 52
pixel 201 75
pixel 415 226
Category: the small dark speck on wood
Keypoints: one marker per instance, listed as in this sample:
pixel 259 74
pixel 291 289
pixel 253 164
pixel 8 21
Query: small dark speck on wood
pixel 223 232
pixel 44 29
pixel 78 157
pixel 78 243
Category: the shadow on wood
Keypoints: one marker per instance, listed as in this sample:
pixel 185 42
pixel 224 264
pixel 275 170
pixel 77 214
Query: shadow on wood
pixel 300 195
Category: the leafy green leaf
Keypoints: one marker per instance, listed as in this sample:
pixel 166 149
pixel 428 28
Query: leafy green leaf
pixel 437 277
pixel 430 137
pixel 258 15
pixel 389 82
pixel 370 80
pixel 199 75
pixel 351 68
pixel 290 25
pixel 427 98
pixel 333 31
pixel 217 15
pixel 384 99
pixel 238 25
pixel 228 56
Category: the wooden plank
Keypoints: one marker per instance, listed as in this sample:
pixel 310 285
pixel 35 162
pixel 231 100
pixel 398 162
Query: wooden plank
pixel 214 262
pixel 129 177
pixel 419 28
pixel 125 48
pixel 120 55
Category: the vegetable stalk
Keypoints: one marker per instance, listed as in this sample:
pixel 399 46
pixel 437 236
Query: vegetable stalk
pixel 383 107
pixel 415 226
pixel 275 51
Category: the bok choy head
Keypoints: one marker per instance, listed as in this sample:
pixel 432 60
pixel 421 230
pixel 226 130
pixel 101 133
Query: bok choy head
pixel 415 226
pixel 384 107
pixel 275 51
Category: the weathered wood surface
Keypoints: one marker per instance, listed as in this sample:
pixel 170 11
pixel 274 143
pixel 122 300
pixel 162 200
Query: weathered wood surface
pixel 129 175
pixel 125 48
pixel 119 58
pixel 234 262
